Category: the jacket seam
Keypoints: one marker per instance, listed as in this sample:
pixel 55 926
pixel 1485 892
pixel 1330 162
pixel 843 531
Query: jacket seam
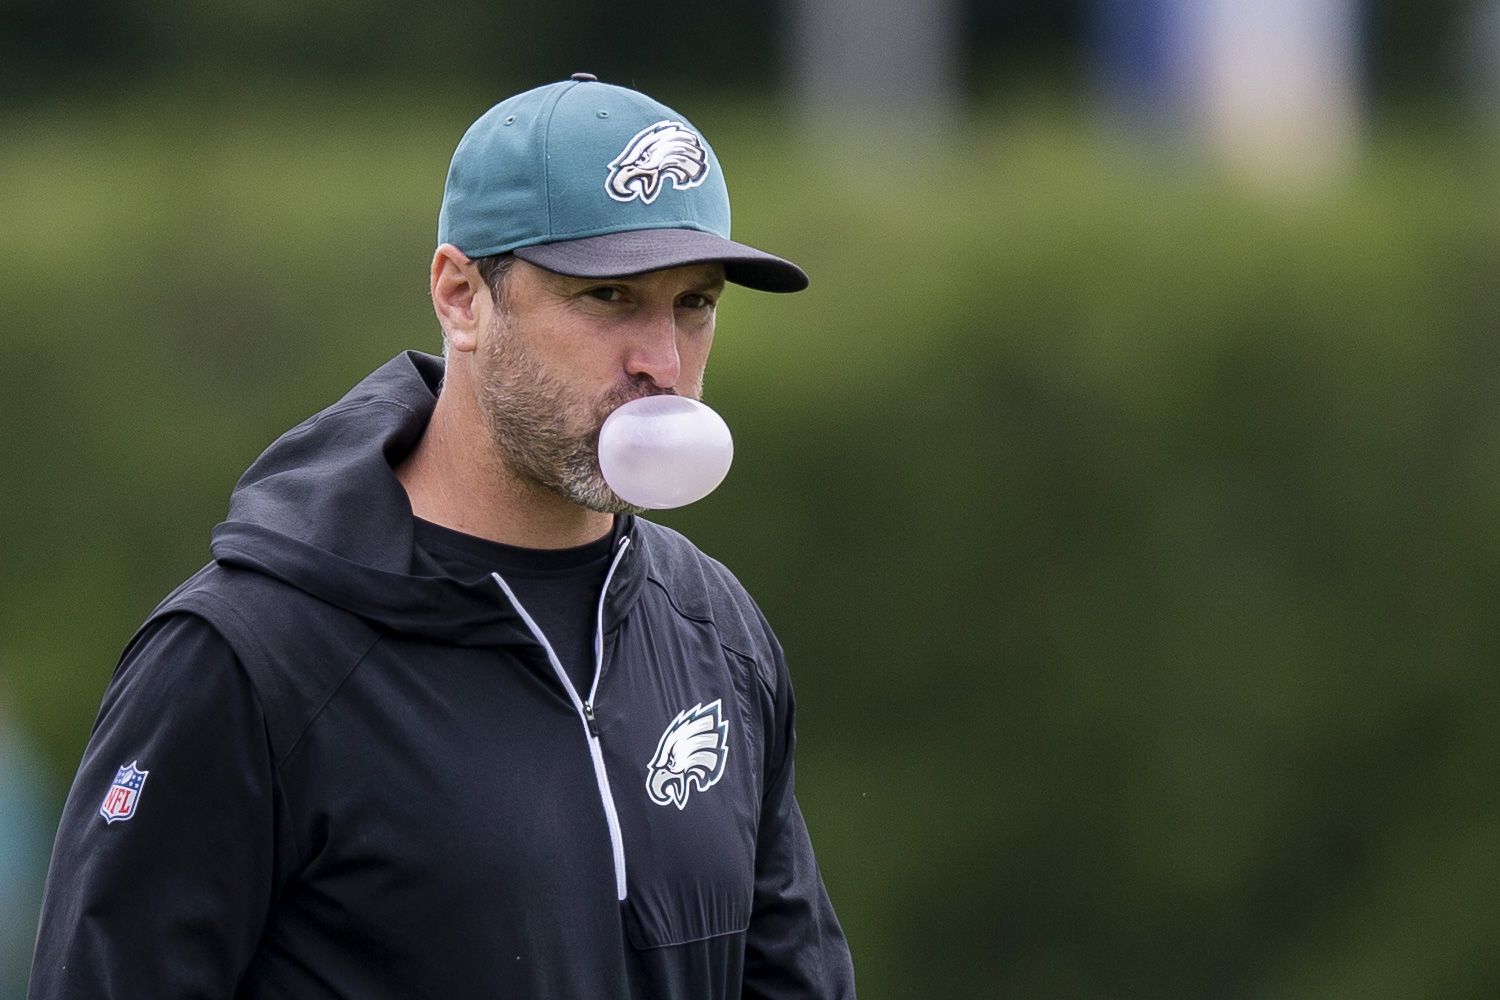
pixel 694 940
pixel 755 734
pixel 672 601
pixel 278 789
pixel 333 693
pixel 279 761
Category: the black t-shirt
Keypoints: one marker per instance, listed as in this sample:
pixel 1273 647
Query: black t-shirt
pixel 559 588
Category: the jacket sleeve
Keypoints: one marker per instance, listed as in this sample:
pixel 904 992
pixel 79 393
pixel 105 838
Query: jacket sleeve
pixel 795 947
pixel 163 893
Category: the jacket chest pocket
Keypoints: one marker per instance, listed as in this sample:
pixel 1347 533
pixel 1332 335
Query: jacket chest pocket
pixel 689 850
pixel 690 877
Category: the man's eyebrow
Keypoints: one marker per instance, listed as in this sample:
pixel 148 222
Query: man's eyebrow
pixel 709 280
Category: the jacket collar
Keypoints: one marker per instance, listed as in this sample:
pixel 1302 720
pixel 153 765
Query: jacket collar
pixel 322 510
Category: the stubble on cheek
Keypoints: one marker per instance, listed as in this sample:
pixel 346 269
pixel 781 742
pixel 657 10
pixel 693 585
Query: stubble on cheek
pixel 542 433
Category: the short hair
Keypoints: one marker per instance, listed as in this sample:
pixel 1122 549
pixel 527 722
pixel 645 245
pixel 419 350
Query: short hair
pixel 493 270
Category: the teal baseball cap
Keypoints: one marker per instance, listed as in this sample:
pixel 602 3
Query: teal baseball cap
pixel 595 181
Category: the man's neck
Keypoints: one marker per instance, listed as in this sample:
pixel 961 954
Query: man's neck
pixel 454 478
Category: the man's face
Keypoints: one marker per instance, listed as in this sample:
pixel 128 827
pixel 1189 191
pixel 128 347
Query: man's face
pixel 564 352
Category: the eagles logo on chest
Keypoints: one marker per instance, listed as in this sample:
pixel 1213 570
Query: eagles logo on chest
pixel 691 754
pixel 666 151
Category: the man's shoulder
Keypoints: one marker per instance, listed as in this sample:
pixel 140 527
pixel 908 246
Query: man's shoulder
pixel 294 648
pixel 690 574
pixel 700 586
pixel 256 608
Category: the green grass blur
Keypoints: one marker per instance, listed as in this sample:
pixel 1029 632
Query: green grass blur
pixel 1132 533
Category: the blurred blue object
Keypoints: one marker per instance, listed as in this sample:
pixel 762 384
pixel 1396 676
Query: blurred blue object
pixel 1479 55
pixel 1270 89
pixel 1132 44
pixel 23 854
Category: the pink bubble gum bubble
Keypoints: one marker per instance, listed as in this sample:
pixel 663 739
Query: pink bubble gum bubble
pixel 659 452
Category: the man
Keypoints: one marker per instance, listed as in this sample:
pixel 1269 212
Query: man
pixel 443 718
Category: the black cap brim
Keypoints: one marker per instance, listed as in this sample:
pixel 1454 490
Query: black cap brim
pixel 616 255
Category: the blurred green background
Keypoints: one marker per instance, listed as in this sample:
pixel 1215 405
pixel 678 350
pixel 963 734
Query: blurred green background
pixel 1132 530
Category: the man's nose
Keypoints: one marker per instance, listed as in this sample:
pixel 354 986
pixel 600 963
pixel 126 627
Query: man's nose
pixel 653 350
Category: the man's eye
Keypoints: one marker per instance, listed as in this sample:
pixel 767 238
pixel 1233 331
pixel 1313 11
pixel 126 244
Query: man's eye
pixel 605 294
pixel 695 301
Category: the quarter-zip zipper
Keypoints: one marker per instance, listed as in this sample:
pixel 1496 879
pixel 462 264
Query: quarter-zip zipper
pixel 585 707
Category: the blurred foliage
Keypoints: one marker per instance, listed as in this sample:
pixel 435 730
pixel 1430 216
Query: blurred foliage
pixel 1132 535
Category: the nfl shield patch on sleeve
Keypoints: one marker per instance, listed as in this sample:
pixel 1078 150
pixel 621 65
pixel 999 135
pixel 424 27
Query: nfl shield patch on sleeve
pixel 123 796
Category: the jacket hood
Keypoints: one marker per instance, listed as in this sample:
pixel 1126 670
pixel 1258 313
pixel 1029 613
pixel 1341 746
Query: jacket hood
pixel 322 510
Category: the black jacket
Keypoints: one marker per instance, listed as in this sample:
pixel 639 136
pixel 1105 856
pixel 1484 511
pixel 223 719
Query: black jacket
pixel 365 779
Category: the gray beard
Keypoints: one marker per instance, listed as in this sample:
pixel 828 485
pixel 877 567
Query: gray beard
pixel 532 423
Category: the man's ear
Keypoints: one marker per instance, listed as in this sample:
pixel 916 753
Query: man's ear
pixel 459 297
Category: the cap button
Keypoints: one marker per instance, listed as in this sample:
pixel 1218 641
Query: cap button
pixel 585 78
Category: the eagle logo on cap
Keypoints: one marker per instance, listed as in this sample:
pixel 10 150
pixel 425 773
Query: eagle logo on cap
pixel 691 755
pixel 666 151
